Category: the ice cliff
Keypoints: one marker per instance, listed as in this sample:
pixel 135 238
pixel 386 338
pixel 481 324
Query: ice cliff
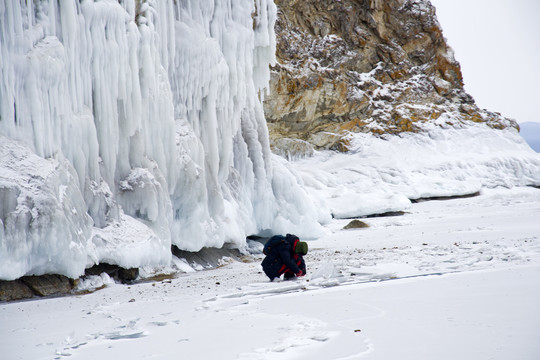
pixel 127 126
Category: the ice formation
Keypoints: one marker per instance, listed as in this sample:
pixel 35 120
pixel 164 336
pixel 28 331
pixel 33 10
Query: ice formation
pixel 127 126
pixel 381 175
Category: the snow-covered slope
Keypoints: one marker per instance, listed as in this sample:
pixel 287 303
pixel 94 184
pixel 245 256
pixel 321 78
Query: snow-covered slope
pixel 127 126
pixel 380 175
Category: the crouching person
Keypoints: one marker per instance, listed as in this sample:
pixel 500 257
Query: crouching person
pixel 284 255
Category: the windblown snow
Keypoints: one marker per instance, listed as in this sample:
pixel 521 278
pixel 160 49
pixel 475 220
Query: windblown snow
pixel 128 126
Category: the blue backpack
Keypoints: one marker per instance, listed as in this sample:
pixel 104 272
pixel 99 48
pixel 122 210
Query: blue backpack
pixel 276 240
pixel 273 241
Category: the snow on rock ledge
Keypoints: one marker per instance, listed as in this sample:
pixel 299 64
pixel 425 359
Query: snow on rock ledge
pixel 380 174
pixel 146 115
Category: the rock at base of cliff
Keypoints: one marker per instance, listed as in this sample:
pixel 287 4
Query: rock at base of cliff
pixel 356 224
pixel 30 286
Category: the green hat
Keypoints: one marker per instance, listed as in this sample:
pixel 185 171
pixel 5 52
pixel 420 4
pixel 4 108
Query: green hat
pixel 301 248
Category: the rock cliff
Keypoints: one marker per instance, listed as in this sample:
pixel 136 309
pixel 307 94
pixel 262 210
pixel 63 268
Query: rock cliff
pixel 379 66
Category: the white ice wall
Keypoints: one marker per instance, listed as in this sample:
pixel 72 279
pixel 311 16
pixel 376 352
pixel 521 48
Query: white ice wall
pixel 146 111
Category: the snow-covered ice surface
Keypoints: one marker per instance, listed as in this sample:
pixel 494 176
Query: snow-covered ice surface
pixel 453 279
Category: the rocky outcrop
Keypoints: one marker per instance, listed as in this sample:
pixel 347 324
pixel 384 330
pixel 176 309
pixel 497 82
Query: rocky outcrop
pixel 59 285
pixel 363 66
pixel 31 286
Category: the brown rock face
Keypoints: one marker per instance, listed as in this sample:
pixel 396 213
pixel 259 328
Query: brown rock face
pixel 46 285
pixel 14 290
pixel 379 66
pixel 30 286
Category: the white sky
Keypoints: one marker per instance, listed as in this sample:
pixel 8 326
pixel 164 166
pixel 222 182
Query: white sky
pixel 497 43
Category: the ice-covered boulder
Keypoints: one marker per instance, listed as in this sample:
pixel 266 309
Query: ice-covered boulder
pixel 44 226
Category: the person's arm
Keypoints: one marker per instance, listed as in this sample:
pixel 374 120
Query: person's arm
pixel 302 265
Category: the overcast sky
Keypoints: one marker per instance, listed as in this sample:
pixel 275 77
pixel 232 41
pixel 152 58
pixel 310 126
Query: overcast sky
pixel 497 43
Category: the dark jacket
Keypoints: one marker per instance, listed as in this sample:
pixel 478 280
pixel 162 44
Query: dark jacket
pixel 281 259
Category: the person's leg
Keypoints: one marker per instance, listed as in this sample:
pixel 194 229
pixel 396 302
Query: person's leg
pixel 288 275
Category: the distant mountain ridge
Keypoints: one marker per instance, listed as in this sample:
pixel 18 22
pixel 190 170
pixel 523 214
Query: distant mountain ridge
pixel 530 131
